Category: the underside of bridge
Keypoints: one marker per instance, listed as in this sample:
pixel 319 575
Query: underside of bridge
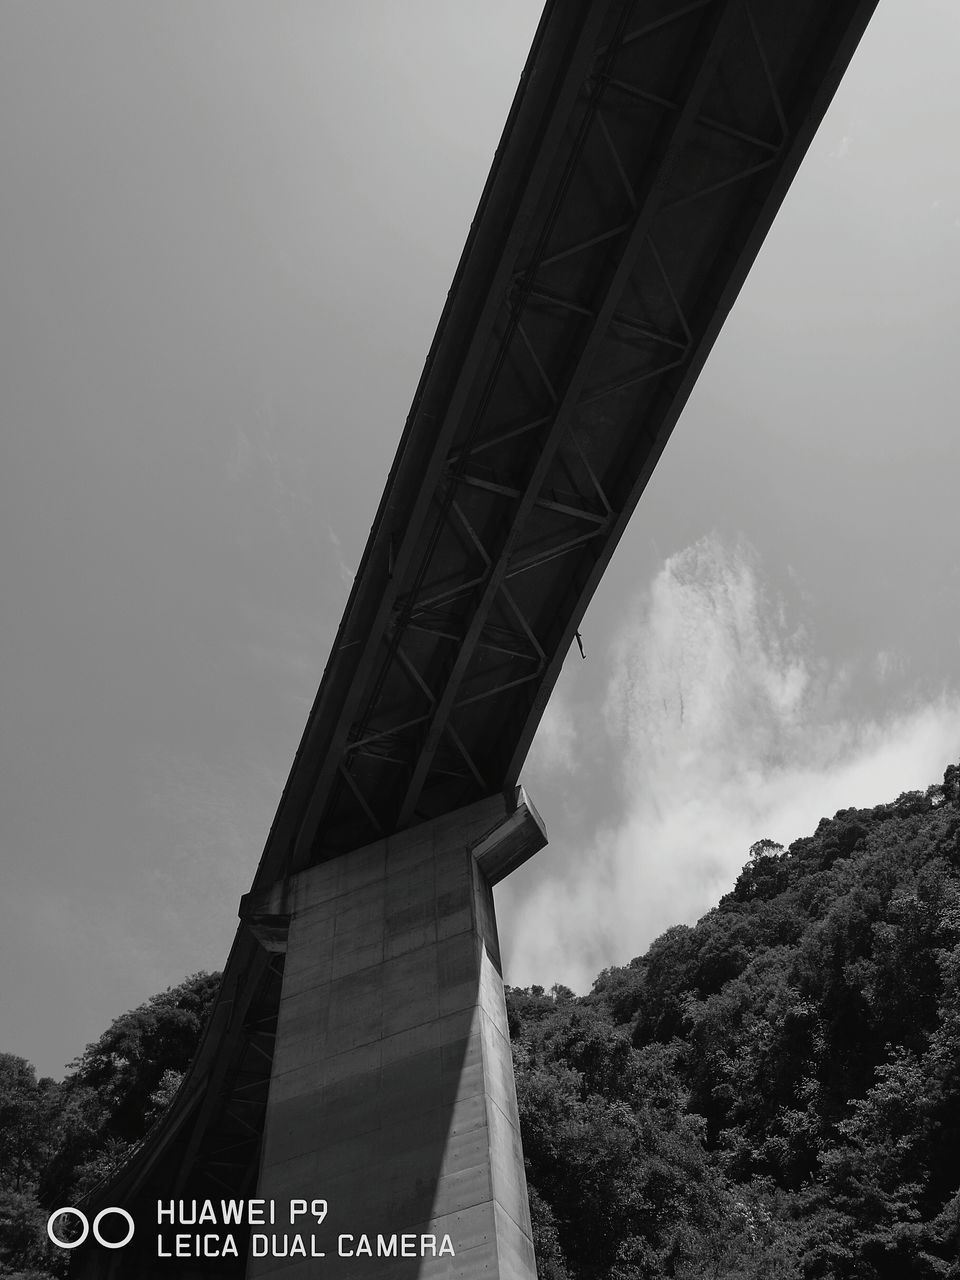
pixel 647 151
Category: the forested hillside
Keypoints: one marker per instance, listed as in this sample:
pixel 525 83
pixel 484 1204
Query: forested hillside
pixel 773 1092
pixel 57 1140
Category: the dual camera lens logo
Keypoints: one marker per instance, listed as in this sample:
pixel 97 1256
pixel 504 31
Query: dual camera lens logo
pixel 85 1227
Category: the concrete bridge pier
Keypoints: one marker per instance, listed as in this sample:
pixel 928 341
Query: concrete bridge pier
pixel 392 1094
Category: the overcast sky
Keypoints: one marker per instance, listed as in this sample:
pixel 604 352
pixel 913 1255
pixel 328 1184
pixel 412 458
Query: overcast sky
pixel 226 233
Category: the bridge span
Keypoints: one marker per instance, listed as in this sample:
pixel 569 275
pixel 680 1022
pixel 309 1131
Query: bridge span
pixel 358 1049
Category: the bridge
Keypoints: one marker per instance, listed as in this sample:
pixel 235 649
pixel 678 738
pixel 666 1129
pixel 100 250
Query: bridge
pixel 358 1047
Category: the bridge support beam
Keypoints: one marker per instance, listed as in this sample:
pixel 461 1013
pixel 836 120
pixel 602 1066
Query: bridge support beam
pixel 392 1094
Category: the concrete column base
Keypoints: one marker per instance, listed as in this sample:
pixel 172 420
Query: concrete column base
pixel 392 1094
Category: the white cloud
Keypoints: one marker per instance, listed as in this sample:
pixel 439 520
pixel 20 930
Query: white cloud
pixel 887 665
pixel 343 569
pixel 556 738
pixel 727 729
pixel 842 149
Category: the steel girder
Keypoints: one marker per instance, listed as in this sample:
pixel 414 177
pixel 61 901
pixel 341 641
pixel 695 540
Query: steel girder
pixel 649 148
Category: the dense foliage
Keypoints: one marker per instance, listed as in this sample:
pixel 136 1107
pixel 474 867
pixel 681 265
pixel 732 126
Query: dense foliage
pixel 57 1140
pixel 773 1092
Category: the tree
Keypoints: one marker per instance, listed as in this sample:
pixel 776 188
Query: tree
pixel 28 1110
pixel 26 1105
pixel 121 1082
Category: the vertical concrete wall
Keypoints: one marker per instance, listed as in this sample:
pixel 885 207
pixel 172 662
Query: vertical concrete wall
pixel 392 1094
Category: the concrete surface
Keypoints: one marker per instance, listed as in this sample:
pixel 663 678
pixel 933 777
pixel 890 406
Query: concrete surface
pixel 392 1095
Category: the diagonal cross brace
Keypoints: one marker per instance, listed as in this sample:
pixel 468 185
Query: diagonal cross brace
pixel 713 41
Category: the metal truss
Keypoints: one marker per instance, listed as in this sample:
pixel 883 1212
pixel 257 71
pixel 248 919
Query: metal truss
pixel 681 121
